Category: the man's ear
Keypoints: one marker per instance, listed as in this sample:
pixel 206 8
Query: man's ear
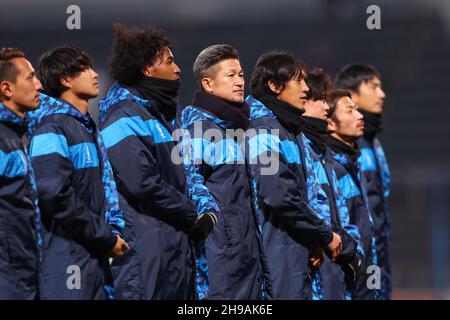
pixel 331 126
pixel 5 89
pixel 148 71
pixel 207 84
pixel 274 88
pixel 65 81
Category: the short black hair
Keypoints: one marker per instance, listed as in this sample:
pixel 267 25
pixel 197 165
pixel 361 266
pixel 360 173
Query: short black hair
pixel 133 49
pixel 66 61
pixel 319 84
pixel 8 71
pixel 352 75
pixel 277 67
pixel 211 56
pixel 333 98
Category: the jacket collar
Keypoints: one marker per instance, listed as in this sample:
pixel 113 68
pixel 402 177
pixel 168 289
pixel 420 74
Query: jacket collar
pixel 50 106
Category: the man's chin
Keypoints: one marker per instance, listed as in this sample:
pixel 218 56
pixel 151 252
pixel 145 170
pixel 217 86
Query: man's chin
pixel 90 96
pixel 33 106
pixel 238 100
pixel 376 109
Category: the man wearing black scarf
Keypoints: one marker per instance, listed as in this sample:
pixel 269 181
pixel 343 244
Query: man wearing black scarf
pixel 334 274
pixel 231 263
pixel 346 125
pixel 364 83
pixel 164 95
pixel 295 234
pixel 137 119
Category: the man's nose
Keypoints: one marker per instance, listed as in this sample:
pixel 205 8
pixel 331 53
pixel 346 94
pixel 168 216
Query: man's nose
pixel 177 69
pixel 38 84
pixel 305 87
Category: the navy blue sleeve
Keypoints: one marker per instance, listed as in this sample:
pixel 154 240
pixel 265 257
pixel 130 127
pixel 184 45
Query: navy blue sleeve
pixel 138 175
pixel 283 192
pixel 57 198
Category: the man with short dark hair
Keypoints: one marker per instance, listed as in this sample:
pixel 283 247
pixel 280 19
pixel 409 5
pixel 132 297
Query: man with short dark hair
pixel 365 85
pixel 82 221
pixel 20 239
pixel 294 228
pixel 346 126
pixel 230 261
pixel 137 119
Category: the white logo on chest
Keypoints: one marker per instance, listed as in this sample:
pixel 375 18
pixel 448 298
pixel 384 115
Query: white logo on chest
pixel 88 155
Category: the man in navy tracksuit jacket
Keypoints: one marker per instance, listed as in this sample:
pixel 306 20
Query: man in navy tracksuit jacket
pixel 137 119
pixel 230 262
pixel 294 234
pixel 346 126
pixel 330 201
pixel 77 195
pixel 364 83
pixel 19 213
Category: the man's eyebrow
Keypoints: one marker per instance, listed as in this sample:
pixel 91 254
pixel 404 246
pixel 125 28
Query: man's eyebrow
pixel 376 82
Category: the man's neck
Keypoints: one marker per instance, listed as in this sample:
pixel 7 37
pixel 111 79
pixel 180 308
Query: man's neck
pixel 14 108
pixel 79 103
pixel 345 140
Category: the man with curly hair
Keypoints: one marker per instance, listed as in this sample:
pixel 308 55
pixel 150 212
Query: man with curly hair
pixel 137 119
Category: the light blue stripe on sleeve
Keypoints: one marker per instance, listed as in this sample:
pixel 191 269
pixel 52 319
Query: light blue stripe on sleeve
pixel 291 152
pixel 367 160
pixel 225 151
pixel 47 143
pixel 262 144
pixel 134 126
pixel 82 155
pixel 348 187
pixel 13 164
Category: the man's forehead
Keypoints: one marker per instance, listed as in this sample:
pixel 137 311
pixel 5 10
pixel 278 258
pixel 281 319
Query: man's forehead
pixel 374 80
pixel 346 102
pixel 229 64
pixel 23 65
pixel 168 52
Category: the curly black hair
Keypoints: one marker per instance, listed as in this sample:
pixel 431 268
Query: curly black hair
pixel 133 49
